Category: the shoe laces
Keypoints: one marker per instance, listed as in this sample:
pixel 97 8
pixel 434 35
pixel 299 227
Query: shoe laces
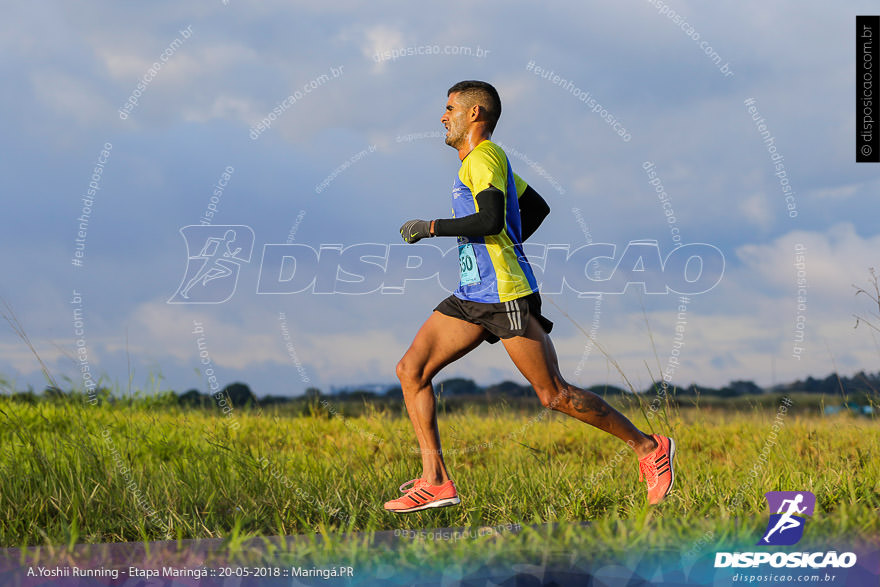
pixel 648 471
pixel 416 484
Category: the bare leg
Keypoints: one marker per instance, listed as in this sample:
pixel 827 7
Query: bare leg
pixel 440 341
pixel 534 355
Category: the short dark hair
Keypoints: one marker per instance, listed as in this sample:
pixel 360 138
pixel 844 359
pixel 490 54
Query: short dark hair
pixel 481 93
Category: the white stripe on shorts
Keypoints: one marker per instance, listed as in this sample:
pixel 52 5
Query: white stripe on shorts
pixel 513 315
pixel 518 315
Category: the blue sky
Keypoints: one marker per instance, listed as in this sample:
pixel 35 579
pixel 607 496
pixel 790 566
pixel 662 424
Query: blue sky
pixel 68 69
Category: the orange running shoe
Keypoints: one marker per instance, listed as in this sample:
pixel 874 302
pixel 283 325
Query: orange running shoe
pixel 422 495
pixel 656 469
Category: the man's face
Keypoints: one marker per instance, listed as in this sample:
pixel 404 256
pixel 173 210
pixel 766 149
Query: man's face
pixel 455 120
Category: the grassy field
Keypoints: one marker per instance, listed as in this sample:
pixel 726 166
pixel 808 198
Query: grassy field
pixel 72 473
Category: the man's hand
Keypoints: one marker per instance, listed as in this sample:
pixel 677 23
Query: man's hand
pixel 413 231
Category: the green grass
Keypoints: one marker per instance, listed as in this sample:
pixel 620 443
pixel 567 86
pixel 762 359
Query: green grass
pixel 167 473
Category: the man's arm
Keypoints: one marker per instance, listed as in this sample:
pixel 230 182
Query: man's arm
pixel 487 221
pixel 490 219
pixel 532 211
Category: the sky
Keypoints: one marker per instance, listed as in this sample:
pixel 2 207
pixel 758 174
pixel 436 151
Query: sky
pixel 721 130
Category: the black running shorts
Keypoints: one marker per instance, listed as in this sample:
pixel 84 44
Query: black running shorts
pixel 504 320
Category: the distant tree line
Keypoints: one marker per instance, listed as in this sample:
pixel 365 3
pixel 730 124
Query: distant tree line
pixel 240 394
pixel 860 383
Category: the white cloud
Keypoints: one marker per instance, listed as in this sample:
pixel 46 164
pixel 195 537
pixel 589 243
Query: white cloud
pixel 840 191
pixel 380 38
pixel 164 330
pixel 756 210
pixel 834 260
pixel 72 98
pixel 223 107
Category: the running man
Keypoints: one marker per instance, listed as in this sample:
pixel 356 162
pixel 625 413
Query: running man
pixel 216 264
pixel 787 521
pixel 494 211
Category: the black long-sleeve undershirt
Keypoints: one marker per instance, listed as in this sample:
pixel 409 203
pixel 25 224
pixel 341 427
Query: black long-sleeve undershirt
pixel 533 209
pixel 490 218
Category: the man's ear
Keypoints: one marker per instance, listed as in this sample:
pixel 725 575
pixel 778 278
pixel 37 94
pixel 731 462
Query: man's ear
pixel 474 112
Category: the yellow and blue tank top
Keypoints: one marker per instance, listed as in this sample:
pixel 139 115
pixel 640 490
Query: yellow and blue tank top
pixel 494 268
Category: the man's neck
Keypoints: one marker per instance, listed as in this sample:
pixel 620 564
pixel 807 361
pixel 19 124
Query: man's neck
pixel 473 139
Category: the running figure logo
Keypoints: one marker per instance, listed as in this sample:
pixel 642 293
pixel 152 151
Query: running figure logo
pixel 786 526
pixel 212 274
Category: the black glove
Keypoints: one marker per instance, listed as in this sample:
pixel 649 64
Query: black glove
pixel 413 231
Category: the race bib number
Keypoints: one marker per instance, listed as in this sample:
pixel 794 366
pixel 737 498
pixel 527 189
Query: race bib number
pixel 470 274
